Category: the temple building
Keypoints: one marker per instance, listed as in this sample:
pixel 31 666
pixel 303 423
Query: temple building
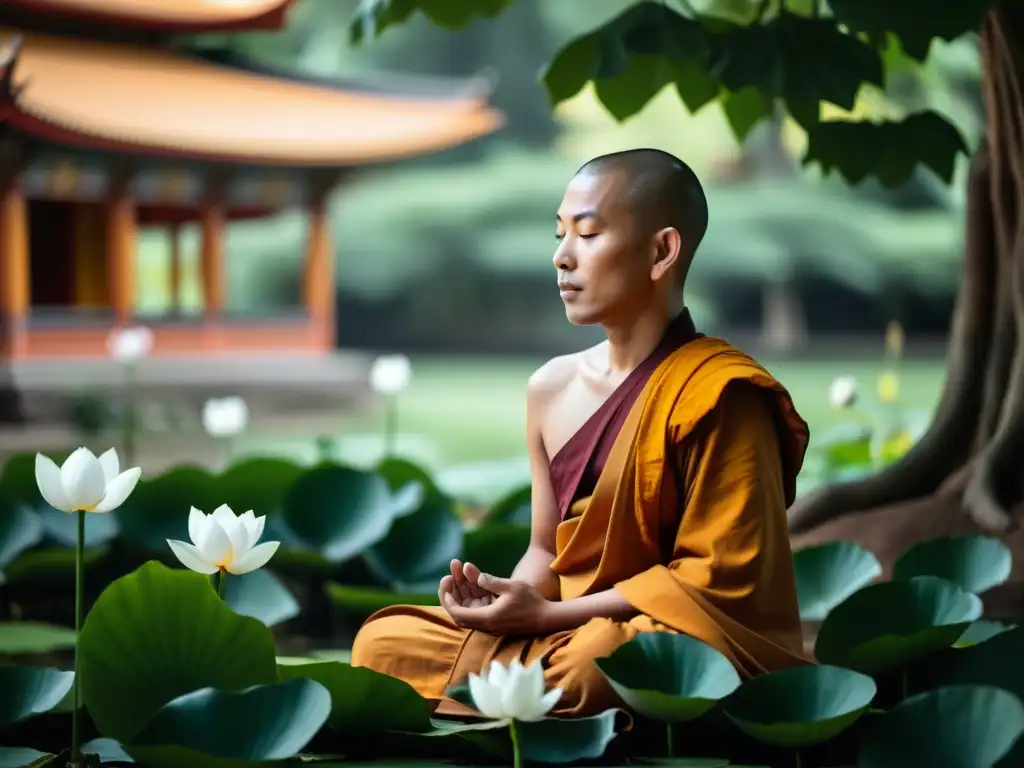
pixel 107 125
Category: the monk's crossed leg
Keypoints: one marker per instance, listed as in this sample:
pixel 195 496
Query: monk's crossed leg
pixel 424 647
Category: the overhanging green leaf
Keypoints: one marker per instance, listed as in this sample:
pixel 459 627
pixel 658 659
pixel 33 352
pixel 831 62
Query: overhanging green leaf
pixel 374 16
pixel 744 109
pixel 632 57
pixel 887 149
pixel 915 21
pixel 801 60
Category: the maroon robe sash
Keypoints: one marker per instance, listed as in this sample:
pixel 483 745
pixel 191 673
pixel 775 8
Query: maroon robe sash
pixel 578 464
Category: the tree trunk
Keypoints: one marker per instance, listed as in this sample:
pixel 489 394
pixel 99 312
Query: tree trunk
pixel 965 467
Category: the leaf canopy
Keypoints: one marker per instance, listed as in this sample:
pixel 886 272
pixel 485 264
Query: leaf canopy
pixel 751 64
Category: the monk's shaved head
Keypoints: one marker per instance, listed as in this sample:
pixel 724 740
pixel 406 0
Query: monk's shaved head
pixel 659 190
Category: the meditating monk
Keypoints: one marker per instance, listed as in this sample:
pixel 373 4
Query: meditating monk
pixel 662 465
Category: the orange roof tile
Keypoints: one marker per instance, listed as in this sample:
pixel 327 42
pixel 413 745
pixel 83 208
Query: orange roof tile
pixel 146 101
pixel 172 15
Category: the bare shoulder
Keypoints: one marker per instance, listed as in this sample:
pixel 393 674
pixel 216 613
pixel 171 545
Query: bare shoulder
pixel 553 377
pixel 557 374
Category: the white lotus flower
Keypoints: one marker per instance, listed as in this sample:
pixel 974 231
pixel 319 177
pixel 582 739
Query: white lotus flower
pixel 516 693
pixel 843 392
pixel 222 540
pixel 390 374
pixel 225 416
pixel 129 345
pixel 85 483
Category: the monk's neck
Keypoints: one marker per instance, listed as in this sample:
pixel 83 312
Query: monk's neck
pixel 630 344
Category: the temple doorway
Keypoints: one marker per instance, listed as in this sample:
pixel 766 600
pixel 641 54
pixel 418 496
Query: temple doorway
pixel 67 247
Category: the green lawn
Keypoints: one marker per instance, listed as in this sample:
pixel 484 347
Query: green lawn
pixel 464 418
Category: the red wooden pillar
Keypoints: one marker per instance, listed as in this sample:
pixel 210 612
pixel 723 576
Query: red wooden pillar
pixel 174 300
pixel 211 259
pixel 15 272
pixel 318 276
pixel 122 247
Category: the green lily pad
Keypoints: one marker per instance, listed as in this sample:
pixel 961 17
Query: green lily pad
pixel 171 756
pixel 49 565
pixel 259 484
pixel 994 662
pixel 402 475
pixel 884 626
pixel 845 445
pixel 28 691
pixel 557 741
pixel 496 549
pixel 667 677
pixel 23 757
pixel 264 722
pixel 62 528
pixel 21 637
pixel 359 603
pixel 18 476
pixel 997 661
pixel 829 573
pixel 20 529
pixel 973 563
pixel 157 634
pixel 514 509
pixel 980 631
pixel 261 595
pixel 338 511
pixel 551 740
pixel 418 548
pixel 800 706
pixel 364 701
pixel 332 654
pixel 968 726
pixel 107 750
pixel 158 508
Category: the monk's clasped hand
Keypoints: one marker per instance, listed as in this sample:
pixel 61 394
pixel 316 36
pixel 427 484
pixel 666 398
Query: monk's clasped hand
pixel 518 610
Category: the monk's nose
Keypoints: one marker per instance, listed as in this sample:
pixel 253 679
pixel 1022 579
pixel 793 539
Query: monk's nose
pixel 563 260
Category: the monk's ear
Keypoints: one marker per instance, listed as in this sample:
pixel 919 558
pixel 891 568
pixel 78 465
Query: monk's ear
pixel 667 250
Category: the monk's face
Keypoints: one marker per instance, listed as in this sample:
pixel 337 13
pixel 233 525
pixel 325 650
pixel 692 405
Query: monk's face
pixel 604 270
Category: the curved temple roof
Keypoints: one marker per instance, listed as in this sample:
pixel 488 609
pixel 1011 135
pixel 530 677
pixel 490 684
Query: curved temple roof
pixel 145 101
pixel 169 15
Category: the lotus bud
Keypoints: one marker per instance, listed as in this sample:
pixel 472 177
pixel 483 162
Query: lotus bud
pixel 85 483
pixel 390 374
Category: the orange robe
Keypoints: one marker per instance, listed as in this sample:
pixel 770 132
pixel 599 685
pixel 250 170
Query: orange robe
pixel 687 520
